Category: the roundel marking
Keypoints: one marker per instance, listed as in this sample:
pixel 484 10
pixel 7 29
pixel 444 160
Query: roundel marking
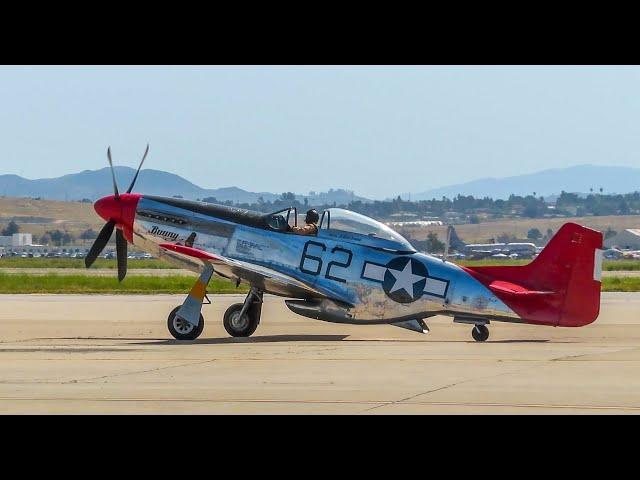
pixel 404 279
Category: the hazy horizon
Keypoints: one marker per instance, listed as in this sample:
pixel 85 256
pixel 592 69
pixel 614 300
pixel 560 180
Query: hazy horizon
pixel 124 180
pixel 379 131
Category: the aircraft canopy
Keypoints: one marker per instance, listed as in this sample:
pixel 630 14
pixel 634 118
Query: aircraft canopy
pixel 335 220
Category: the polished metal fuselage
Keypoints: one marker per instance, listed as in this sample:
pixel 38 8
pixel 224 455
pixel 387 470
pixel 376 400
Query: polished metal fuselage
pixel 320 262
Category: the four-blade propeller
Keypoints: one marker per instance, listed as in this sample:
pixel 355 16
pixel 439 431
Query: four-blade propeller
pixel 115 222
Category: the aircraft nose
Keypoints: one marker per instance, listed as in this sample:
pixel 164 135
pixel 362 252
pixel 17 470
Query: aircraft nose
pixel 108 208
pixel 122 210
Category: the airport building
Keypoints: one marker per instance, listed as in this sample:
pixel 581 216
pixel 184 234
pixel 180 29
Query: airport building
pixel 16 240
pixel 22 244
pixel 628 239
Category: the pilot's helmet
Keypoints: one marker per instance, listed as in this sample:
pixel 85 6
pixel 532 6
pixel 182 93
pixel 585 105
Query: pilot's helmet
pixel 312 216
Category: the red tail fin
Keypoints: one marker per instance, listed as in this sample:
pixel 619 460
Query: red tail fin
pixel 561 287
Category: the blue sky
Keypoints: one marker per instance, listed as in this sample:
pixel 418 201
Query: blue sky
pixel 377 130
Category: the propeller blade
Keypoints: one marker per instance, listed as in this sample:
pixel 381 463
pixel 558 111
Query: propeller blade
pixel 133 182
pixel 113 175
pixel 101 241
pixel 121 249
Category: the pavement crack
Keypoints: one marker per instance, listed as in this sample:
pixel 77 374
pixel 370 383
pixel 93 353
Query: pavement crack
pixel 123 374
pixel 406 399
pixel 573 357
pixel 451 385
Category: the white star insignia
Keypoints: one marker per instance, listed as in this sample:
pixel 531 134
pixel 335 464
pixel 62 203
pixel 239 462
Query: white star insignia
pixel 405 279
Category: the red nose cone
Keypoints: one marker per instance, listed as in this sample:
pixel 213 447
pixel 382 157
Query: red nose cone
pixel 108 208
pixel 121 210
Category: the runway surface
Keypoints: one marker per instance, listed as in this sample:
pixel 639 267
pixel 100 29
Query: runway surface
pixel 113 354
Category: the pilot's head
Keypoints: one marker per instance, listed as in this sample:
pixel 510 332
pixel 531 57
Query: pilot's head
pixel 312 217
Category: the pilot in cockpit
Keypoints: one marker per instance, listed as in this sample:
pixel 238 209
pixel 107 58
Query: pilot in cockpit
pixel 310 224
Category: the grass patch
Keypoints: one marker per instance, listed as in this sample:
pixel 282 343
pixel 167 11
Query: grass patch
pixel 621 284
pixel 17 262
pixel 621 265
pixel 53 283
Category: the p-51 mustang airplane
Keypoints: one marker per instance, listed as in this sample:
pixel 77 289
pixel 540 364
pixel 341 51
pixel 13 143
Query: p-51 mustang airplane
pixel 355 270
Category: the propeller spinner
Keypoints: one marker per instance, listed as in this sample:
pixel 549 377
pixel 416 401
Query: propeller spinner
pixel 119 211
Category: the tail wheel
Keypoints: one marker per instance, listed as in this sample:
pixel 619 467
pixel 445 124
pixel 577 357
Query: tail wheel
pixel 181 329
pixel 480 333
pixel 240 326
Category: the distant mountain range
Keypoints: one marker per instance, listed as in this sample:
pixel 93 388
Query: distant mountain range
pixel 93 184
pixel 578 179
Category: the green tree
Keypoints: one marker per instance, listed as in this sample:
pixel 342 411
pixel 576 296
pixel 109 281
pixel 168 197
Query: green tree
pixel 548 235
pixel 623 206
pixel 88 234
pixel 67 238
pixel 12 228
pixel 288 197
pixel 531 210
pixel 534 234
pixel 433 244
pixel 474 219
pixel 56 236
pixel 506 238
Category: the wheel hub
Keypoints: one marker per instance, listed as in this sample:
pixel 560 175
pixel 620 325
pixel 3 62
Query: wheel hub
pixel 182 326
pixel 239 322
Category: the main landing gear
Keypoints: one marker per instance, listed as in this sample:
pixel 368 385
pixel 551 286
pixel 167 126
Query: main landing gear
pixel 242 319
pixel 480 333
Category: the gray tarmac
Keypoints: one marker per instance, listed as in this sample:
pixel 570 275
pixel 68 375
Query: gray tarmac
pixel 113 354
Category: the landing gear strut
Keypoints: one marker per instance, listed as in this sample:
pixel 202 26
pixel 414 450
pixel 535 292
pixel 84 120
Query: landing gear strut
pixel 186 322
pixel 242 319
pixel 480 333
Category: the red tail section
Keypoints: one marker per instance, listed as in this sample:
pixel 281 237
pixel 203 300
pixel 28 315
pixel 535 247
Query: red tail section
pixel 561 287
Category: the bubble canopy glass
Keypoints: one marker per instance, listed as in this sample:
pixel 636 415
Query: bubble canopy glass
pixel 358 228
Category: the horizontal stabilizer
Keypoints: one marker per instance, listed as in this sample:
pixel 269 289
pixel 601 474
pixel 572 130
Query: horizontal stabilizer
pixel 508 288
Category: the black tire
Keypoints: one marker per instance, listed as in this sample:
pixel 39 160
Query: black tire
pixel 180 329
pixel 244 328
pixel 480 333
